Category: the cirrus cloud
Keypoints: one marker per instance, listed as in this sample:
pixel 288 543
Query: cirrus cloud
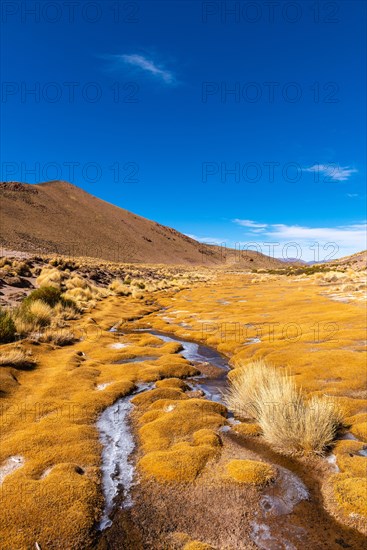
pixel 332 171
pixel 144 64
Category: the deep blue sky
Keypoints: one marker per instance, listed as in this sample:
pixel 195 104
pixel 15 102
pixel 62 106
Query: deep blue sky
pixel 173 62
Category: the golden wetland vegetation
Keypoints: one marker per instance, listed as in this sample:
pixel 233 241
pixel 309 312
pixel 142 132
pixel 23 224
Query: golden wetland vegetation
pixel 65 366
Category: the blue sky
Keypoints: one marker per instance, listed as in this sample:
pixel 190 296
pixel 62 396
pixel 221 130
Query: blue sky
pixel 235 127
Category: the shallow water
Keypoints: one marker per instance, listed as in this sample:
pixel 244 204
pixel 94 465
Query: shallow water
pixel 10 465
pixel 118 445
pixel 284 495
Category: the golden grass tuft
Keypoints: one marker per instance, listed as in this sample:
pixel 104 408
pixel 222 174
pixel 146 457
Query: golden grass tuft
pixel 65 313
pixel 16 358
pixel 250 472
pixel 288 421
pixel 120 288
pixel 58 336
pixel 23 324
pixel 40 312
pixel 50 277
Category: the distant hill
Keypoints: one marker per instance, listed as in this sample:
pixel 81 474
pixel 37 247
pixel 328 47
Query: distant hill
pixel 58 217
pixel 357 261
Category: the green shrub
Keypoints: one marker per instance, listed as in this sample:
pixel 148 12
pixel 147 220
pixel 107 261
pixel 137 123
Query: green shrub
pixel 50 295
pixel 7 328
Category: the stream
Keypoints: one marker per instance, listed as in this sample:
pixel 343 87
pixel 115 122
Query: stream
pixel 114 428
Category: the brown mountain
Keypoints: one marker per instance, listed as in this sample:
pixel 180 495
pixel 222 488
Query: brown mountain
pixel 58 217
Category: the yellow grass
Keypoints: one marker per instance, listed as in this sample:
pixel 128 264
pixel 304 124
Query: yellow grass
pixel 287 420
pixel 350 494
pixel 58 336
pixel 41 312
pixel 24 325
pixel 119 288
pixel 64 505
pixel 247 429
pixel 50 276
pixel 16 358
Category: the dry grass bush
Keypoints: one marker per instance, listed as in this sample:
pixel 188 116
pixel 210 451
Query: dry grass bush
pixel 4 262
pixel 119 287
pixel 83 293
pixel 58 336
pixel 40 312
pixel 21 268
pixel 24 325
pixel 50 276
pixel 66 313
pixel 288 421
pixel 76 282
pixel 16 358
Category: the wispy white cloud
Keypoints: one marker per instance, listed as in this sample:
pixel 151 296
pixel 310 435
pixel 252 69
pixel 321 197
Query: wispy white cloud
pixel 250 223
pixel 352 195
pixel 332 171
pixel 145 65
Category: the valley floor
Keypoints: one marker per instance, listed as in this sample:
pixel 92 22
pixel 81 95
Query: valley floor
pixel 183 496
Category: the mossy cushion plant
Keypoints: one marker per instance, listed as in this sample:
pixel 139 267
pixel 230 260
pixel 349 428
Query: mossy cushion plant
pixel 252 472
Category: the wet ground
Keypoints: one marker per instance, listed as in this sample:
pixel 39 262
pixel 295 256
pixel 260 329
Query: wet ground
pixel 288 514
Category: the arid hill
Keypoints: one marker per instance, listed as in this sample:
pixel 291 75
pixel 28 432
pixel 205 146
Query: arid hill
pixel 357 261
pixel 59 218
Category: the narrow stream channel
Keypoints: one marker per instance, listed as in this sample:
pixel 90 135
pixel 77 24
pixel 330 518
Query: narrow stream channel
pixel 115 432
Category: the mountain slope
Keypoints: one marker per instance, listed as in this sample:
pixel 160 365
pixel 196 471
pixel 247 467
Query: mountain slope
pixel 357 261
pixel 58 217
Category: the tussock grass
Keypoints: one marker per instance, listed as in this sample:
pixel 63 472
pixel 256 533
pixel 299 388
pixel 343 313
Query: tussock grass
pixel 58 336
pixel 16 358
pixel 120 287
pixel 24 324
pixel 66 313
pixel 288 421
pixel 40 312
pixel 83 293
pixel 50 277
